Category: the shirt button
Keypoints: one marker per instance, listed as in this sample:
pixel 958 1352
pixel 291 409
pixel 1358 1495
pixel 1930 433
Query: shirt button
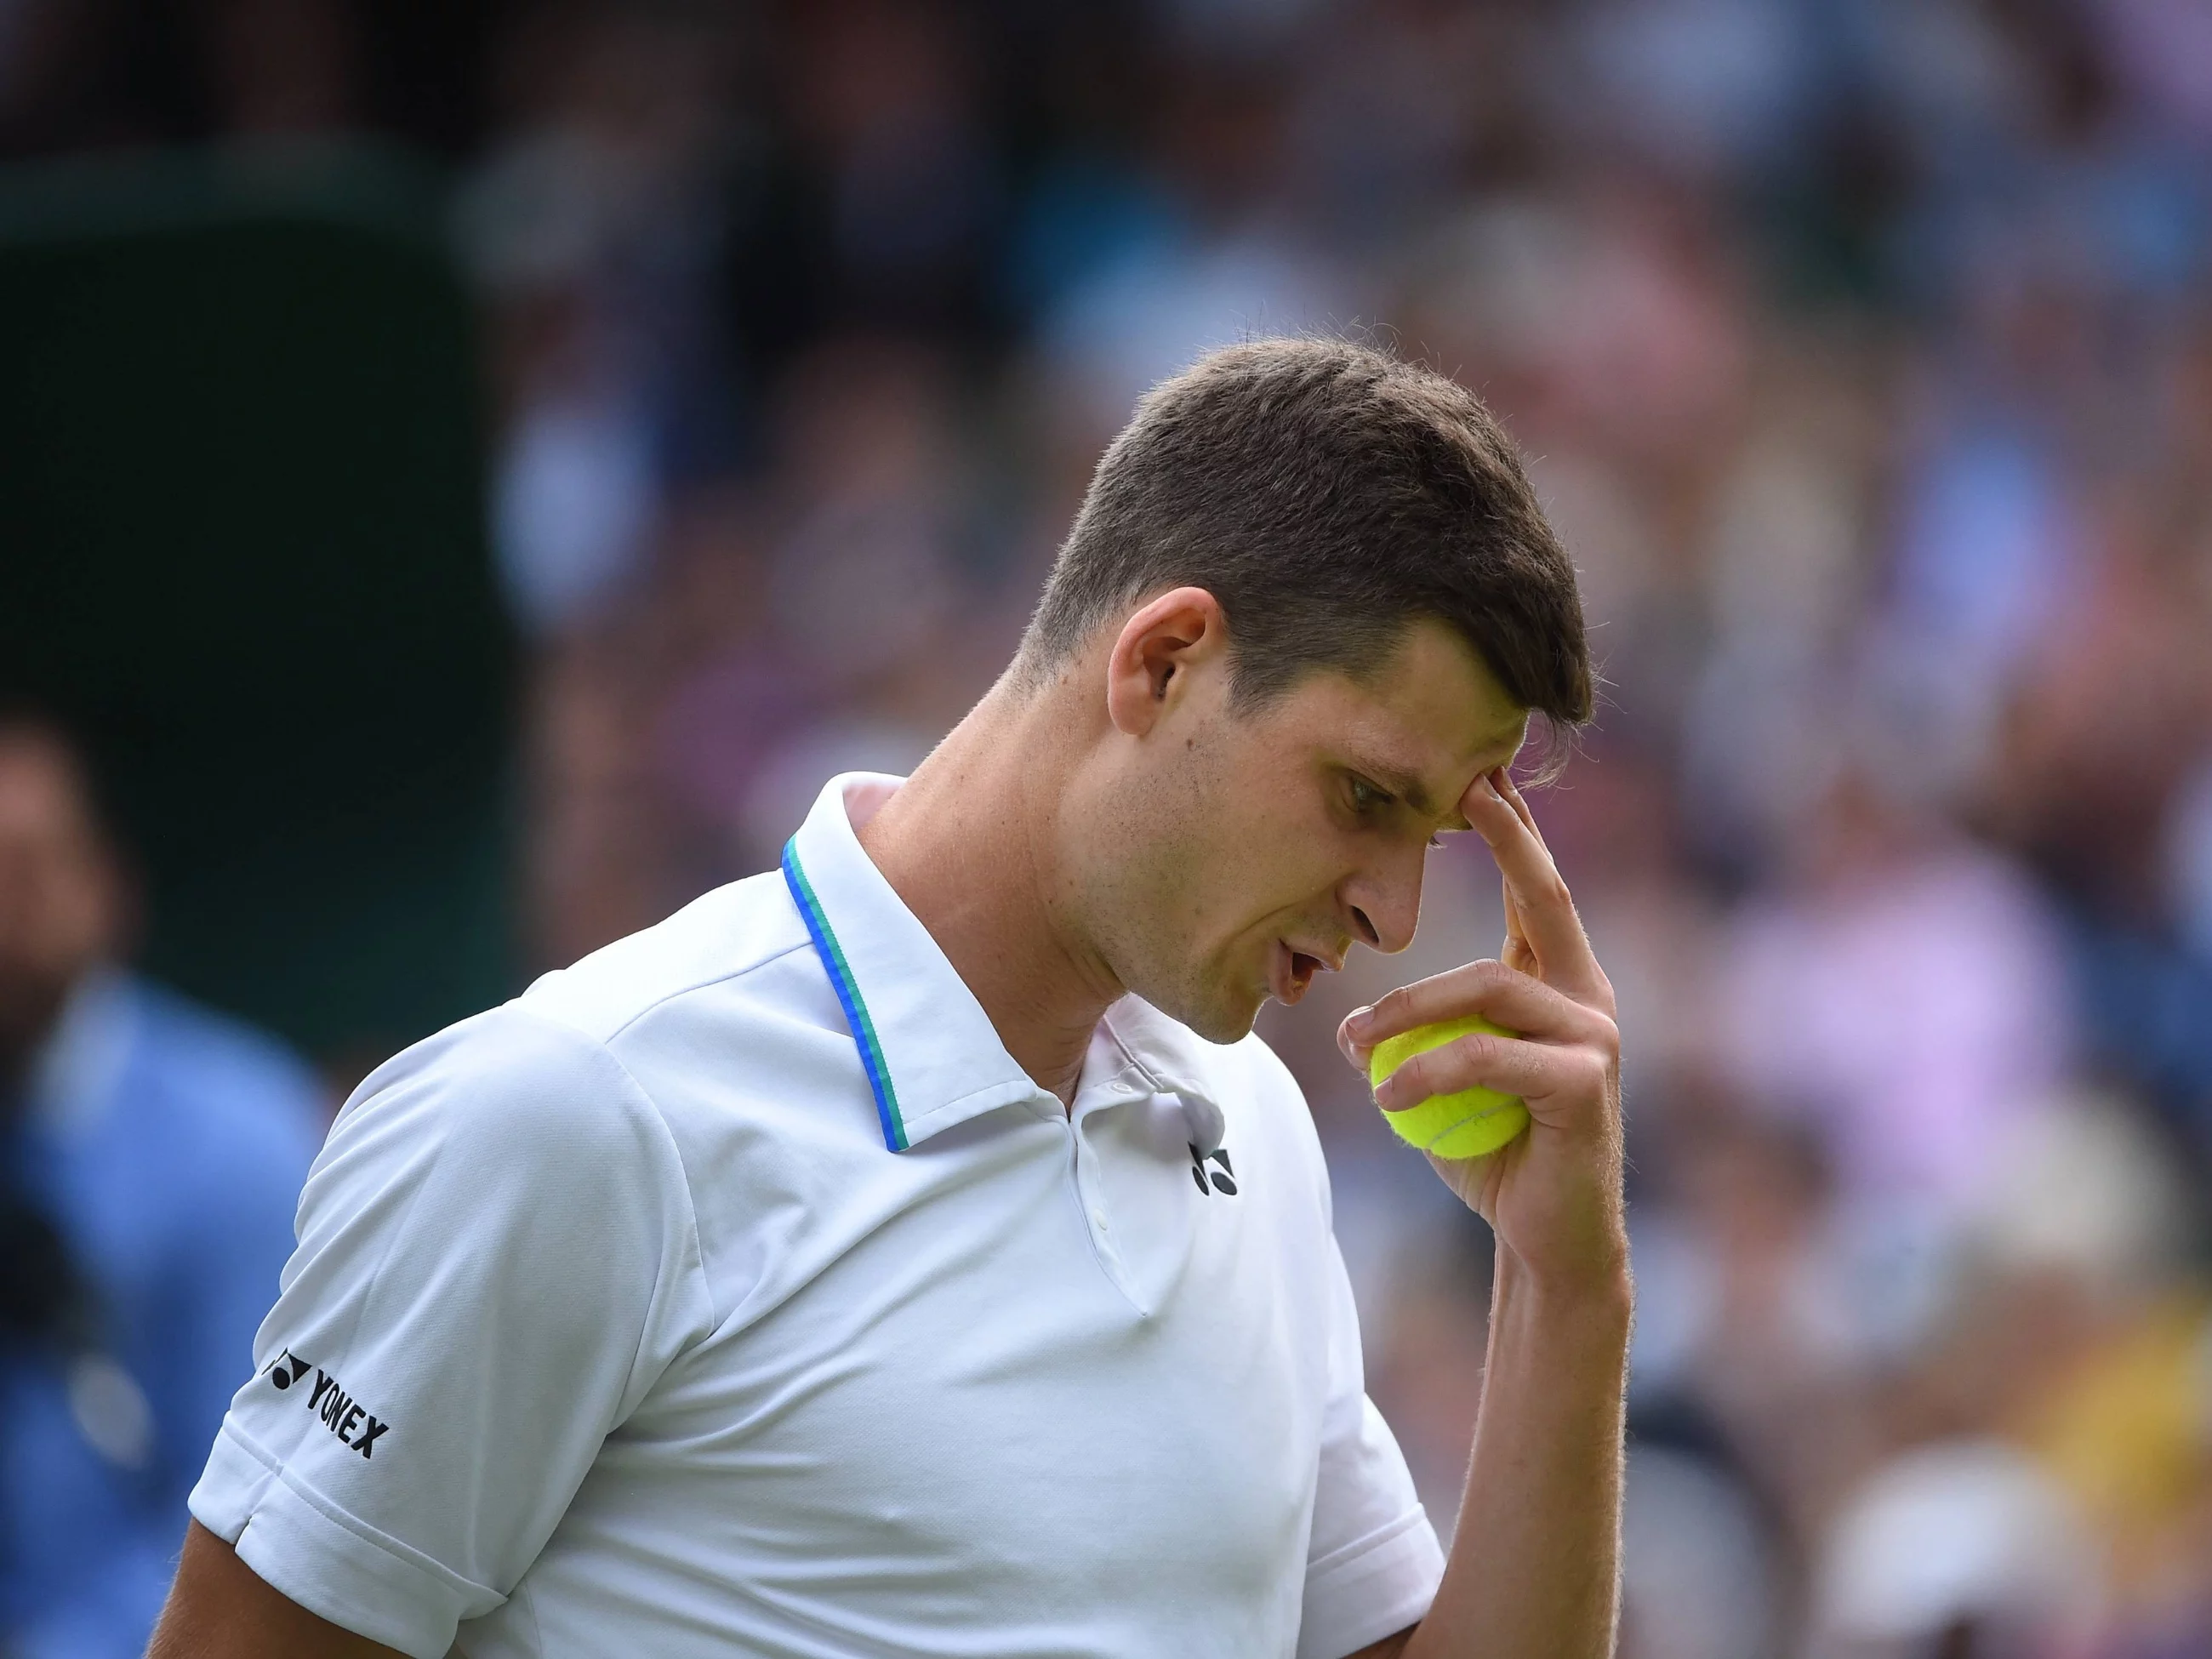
pixel 1099 1217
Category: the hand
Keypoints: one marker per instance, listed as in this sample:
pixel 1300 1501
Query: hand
pixel 1552 1195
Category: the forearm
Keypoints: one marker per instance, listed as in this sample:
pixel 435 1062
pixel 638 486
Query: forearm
pixel 1535 1565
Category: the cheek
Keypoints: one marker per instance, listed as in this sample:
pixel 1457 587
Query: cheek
pixel 1226 841
pixel 1267 871
pixel 1147 872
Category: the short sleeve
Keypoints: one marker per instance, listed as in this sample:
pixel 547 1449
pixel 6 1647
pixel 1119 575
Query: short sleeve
pixel 496 1258
pixel 1373 1563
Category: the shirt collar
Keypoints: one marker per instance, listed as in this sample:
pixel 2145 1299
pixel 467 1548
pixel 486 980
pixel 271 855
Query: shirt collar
pixel 1169 1056
pixel 932 1055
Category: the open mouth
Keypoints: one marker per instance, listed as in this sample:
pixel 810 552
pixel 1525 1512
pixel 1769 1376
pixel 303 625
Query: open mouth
pixel 1290 972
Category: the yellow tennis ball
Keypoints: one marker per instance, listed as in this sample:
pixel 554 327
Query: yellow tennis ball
pixel 1467 1123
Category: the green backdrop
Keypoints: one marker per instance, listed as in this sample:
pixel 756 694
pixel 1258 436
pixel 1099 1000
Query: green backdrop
pixel 242 551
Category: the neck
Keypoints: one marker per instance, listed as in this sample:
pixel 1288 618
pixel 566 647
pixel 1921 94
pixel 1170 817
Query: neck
pixel 970 845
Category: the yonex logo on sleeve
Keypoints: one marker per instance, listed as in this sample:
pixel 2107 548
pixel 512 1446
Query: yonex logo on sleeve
pixel 339 1412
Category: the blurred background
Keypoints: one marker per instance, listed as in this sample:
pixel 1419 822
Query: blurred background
pixel 468 472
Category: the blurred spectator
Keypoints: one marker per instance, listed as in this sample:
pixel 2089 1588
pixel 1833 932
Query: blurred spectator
pixel 599 227
pixel 1759 1327
pixel 1699 1580
pixel 1905 996
pixel 150 1155
pixel 1959 1551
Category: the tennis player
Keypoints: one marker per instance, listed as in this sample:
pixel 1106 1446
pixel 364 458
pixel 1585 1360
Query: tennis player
pixel 911 1250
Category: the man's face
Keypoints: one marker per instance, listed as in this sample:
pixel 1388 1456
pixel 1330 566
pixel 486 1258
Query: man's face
pixel 1245 851
pixel 58 907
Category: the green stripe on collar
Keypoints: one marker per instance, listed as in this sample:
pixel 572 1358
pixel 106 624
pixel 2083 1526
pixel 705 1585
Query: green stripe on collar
pixel 848 997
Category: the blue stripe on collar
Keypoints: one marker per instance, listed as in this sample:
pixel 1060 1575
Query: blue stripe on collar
pixel 848 998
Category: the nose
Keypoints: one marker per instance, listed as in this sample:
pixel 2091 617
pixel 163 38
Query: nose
pixel 1385 905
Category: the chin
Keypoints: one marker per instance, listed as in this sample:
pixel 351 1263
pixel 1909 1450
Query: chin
pixel 1219 1006
pixel 1222 1017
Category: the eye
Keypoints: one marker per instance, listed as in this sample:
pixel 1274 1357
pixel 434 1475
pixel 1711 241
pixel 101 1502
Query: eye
pixel 1366 798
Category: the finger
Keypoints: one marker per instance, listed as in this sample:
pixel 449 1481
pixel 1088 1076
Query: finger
pixel 1516 952
pixel 1598 993
pixel 1505 995
pixel 1502 780
pixel 1541 904
pixel 1536 1071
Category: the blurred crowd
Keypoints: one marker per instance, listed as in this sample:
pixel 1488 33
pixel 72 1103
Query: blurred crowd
pixel 1863 352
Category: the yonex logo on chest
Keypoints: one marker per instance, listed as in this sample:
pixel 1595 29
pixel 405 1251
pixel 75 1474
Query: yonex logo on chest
pixel 1223 1180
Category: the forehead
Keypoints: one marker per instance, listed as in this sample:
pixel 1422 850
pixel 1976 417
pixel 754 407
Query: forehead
pixel 1433 719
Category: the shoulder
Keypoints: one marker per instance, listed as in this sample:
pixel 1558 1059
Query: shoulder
pixel 728 935
pixel 578 1086
pixel 507 1091
pixel 507 1147
pixel 554 1048
pixel 724 1018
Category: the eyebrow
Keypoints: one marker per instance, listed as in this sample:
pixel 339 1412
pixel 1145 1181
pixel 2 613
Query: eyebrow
pixel 1413 790
pixel 1407 789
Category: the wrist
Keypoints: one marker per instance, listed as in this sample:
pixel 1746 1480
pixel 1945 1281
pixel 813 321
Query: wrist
pixel 1600 1290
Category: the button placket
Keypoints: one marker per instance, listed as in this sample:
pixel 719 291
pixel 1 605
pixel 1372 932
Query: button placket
pixel 1089 1191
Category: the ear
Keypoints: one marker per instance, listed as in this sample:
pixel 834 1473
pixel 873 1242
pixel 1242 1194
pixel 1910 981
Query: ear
pixel 1152 657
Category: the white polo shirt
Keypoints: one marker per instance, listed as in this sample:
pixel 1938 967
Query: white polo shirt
pixel 735 1291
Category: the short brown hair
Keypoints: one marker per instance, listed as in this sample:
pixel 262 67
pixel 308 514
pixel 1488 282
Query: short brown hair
pixel 1327 494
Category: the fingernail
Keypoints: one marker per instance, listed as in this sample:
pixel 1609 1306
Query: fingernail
pixel 1359 1020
